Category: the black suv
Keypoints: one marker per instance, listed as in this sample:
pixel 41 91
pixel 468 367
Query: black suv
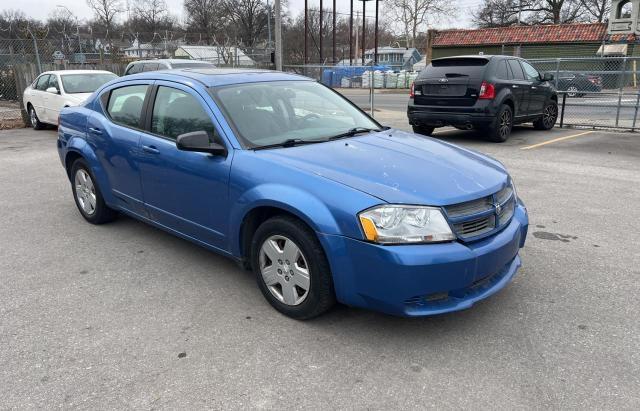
pixel 488 93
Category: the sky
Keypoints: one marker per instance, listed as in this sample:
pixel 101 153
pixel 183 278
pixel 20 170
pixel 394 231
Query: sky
pixel 40 9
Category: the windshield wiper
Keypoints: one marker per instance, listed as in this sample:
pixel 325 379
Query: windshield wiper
pixel 352 132
pixel 290 143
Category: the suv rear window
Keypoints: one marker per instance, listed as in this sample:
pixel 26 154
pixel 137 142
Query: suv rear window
pixel 453 67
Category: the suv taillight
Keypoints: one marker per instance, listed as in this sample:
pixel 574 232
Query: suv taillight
pixel 412 92
pixel 487 91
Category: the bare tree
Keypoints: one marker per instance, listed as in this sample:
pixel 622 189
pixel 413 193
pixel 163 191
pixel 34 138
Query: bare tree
pixel 105 12
pixel 553 11
pixel 151 15
pixel 496 13
pixel 248 18
pixel 206 17
pixel 596 10
pixel 413 16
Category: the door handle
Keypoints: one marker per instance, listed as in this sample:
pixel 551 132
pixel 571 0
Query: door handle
pixel 533 87
pixel 95 130
pixel 150 149
pixel 514 86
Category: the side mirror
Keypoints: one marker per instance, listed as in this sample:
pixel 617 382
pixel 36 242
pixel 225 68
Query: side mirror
pixel 547 77
pixel 199 141
pixel 52 90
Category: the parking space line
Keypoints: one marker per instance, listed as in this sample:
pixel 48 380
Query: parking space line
pixel 555 140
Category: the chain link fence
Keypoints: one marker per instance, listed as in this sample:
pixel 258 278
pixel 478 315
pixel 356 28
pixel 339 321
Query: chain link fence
pixel 597 92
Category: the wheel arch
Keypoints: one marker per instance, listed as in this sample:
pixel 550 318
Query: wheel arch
pixel 264 202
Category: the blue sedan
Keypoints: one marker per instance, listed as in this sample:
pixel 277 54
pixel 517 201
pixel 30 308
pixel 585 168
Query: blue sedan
pixel 300 186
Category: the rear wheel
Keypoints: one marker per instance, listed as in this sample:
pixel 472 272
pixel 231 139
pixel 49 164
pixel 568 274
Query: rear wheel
pixel 548 118
pixel 572 91
pixel 425 131
pixel 291 268
pixel 33 118
pixel 500 130
pixel 87 195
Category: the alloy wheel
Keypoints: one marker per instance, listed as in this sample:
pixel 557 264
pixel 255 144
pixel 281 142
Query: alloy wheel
pixel 284 270
pixel 85 191
pixel 572 91
pixel 550 115
pixel 505 124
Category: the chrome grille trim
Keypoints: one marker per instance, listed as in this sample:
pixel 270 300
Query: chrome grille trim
pixel 478 218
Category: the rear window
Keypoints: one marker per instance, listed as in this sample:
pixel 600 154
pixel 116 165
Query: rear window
pixel 192 65
pixel 455 67
pixel 456 62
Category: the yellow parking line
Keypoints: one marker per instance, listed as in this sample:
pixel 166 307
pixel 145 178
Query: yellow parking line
pixel 555 140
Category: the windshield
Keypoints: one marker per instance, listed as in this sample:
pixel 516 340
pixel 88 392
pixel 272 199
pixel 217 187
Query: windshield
pixel 85 83
pixel 271 113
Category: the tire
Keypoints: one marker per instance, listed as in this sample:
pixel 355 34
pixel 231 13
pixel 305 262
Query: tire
pixel 275 245
pixel 87 195
pixel 35 121
pixel 425 131
pixel 572 91
pixel 500 130
pixel 548 118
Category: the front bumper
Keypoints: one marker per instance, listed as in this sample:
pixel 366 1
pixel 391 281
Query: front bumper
pixel 428 279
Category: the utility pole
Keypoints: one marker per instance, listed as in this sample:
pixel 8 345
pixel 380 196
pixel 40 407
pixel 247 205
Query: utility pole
pixel 350 32
pixel 269 25
pixel 278 35
pixel 334 33
pixel 364 27
pixel 306 30
pixel 320 40
pixel 375 38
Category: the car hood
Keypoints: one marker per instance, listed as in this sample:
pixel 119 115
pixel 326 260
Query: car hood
pixel 399 167
pixel 78 98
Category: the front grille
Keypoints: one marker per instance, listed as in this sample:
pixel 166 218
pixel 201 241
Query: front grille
pixel 480 217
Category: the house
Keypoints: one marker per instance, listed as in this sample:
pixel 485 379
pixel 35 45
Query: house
pixel 539 41
pixel 398 58
pixel 218 55
pixel 143 50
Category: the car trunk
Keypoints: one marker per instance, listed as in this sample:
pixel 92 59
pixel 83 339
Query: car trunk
pixel 450 82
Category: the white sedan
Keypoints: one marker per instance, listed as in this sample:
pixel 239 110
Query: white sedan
pixel 53 90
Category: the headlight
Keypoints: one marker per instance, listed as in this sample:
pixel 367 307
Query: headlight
pixel 398 224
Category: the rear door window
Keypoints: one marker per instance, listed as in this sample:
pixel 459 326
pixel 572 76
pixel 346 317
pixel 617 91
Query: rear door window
pixel 518 74
pixel 502 72
pixel 125 105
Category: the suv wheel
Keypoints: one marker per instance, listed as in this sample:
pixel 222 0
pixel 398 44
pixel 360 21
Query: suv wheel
pixel 87 195
pixel 291 268
pixel 548 118
pixel 425 131
pixel 500 130
pixel 572 91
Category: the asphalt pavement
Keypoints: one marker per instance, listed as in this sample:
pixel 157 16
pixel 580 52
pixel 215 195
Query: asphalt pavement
pixel 127 316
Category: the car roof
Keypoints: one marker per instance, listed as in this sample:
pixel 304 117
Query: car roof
pixel 171 61
pixel 214 77
pixel 77 72
pixel 480 56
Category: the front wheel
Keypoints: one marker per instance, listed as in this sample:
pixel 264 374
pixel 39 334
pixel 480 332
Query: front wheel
pixel 425 131
pixel 291 268
pixel 548 118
